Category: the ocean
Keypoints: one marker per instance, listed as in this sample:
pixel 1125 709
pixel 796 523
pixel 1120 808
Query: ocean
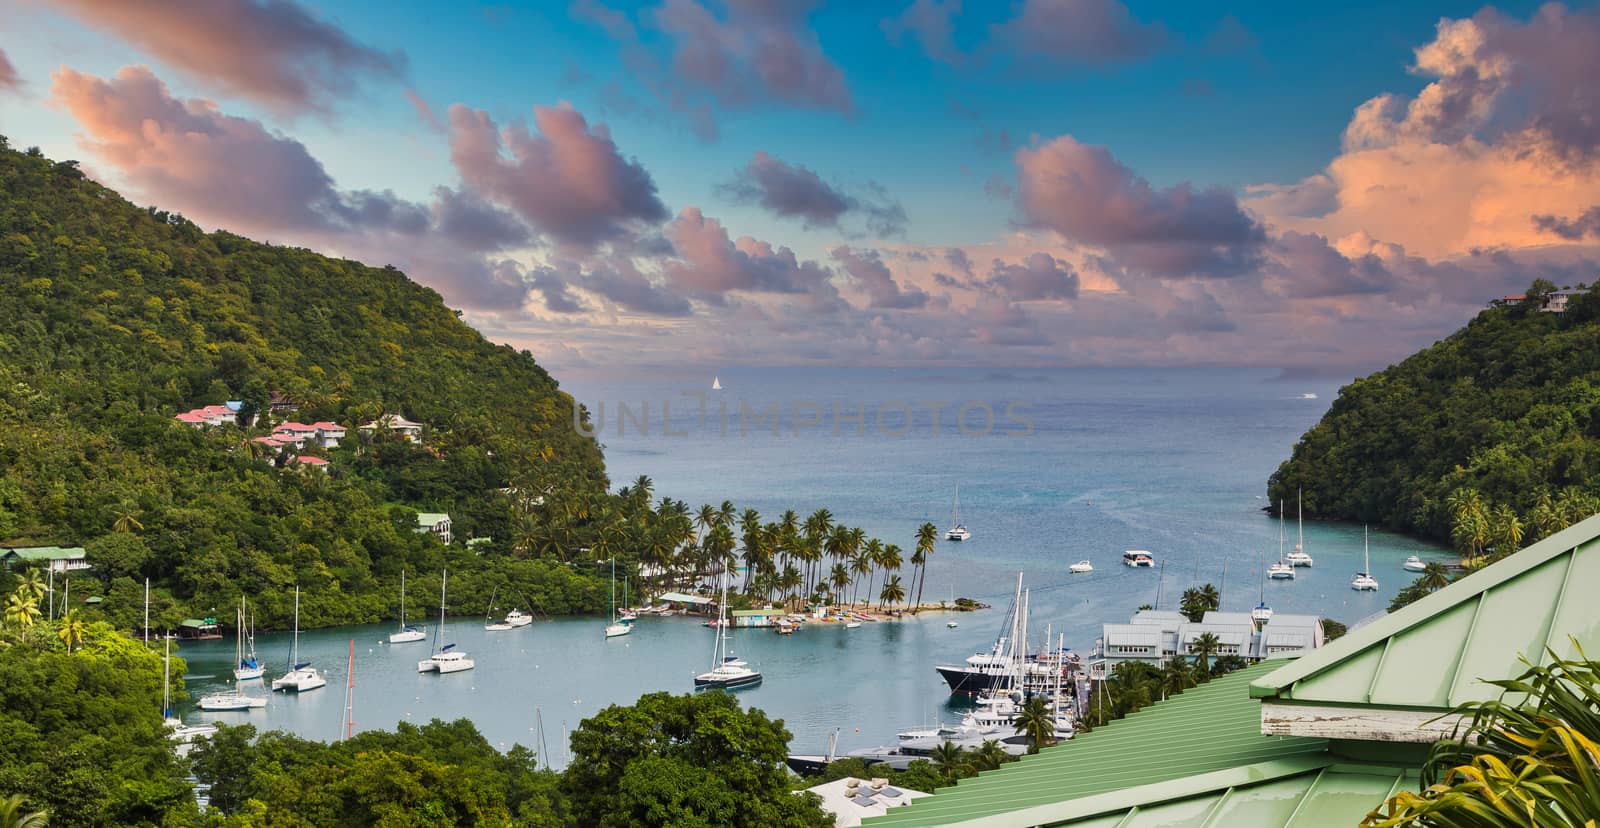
pixel 1053 467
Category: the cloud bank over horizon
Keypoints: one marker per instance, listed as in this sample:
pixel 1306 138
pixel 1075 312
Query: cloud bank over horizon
pixel 554 234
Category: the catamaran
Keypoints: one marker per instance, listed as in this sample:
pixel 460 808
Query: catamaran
pixel 407 632
pixel 1280 569
pixel 493 626
pixel 301 676
pixel 1363 581
pixel 448 659
pixel 958 530
pixel 618 627
pixel 1138 558
pixel 249 668
pixel 728 672
pixel 1299 557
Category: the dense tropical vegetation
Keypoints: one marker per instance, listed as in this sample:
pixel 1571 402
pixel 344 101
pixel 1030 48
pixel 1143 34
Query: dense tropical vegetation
pixel 1530 758
pixel 1488 440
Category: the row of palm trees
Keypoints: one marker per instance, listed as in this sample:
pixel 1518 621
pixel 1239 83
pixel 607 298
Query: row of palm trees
pixel 1477 525
pixel 791 559
pixel 1133 685
pixel 22 613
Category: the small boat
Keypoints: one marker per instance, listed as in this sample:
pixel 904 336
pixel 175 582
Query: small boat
pixel 231 701
pixel 1299 557
pixel 958 530
pixel 728 672
pixel 407 632
pixel 1138 558
pixel 447 659
pixel 1081 567
pixel 494 626
pixel 1363 581
pixel 1281 569
pixel 249 667
pixel 1309 395
pixel 301 676
pixel 182 735
pixel 850 625
pixel 518 618
pixel 618 626
pixel 1414 564
pixel 716 383
pixel 951 624
pixel 785 627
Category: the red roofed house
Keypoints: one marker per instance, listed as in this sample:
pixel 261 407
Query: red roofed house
pixel 328 434
pixel 297 433
pixel 308 460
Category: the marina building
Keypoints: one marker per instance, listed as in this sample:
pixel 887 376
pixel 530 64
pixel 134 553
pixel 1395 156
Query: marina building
pixel 56 558
pixel 1157 636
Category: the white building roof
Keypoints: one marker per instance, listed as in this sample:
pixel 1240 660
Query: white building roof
pixel 1165 618
pixel 1131 635
pixel 871 798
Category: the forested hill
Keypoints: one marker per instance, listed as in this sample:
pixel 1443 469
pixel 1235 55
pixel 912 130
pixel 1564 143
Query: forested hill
pixel 1489 438
pixel 116 318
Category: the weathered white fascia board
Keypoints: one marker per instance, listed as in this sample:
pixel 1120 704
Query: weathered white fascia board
pixel 1372 724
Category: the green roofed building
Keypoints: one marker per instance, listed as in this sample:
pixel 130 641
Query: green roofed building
pixel 58 558
pixel 1321 740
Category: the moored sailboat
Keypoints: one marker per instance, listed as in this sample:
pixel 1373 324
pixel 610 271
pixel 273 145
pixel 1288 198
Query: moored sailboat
pixel 301 676
pixel 1299 557
pixel 248 666
pixel 1363 581
pixel 958 530
pixel 407 632
pixel 448 659
pixel 618 626
pixel 1280 569
pixel 728 672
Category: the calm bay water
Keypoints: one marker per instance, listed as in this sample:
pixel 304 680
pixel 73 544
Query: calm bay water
pixel 1084 464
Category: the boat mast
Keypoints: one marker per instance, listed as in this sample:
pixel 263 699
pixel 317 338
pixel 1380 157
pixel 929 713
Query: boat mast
pixel 1300 521
pixel 402 600
pixel 444 578
pixel 294 648
pixel 1366 554
pixel 614 587
pixel 350 694
pixel 1280 530
pixel 147 611
pixel 166 680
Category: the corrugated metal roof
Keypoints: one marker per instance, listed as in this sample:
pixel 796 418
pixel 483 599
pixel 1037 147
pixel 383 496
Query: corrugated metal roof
pixel 44 553
pixel 1432 654
pixel 1285 793
pixel 1210 728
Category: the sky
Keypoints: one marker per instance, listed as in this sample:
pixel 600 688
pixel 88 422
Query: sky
pixel 684 185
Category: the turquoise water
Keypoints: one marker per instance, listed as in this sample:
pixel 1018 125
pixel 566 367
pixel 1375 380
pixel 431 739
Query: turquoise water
pixel 1173 461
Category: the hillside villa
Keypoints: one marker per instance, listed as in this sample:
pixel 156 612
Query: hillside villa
pixel 408 429
pixel 436 522
pixel 56 558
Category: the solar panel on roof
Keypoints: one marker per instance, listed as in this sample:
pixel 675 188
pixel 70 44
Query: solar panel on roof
pixel 864 800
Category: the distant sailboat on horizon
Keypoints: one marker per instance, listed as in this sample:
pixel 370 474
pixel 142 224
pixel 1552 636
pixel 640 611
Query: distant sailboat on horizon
pixel 716 383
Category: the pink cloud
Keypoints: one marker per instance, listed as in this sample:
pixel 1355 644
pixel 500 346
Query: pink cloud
pixel 1088 197
pixel 795 191
pixel 711 264
pixel 272 51
pixel 9 81
pixel 932 23
pixel 866 267
pixel 567 179
pixel 1084 32
pixel 1039 277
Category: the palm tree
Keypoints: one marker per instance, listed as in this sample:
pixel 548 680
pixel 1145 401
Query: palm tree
pixel 126 522
pixel 1176 677
pixel 1544 515
pixel 873 552
pixel 12 814
pixel 892 592
pixel 1435 577
pixel 1037 722
pixel 927 537
pixel 860 564
pixel 1469 520
pixel 990 755
pixel 70 630
pixel 704 520
pixel 839 578
pixel 1508 529
pixel 1212 598
pixel 1529 762
pixel 33 584
pixel 951 760
pixel 1204 647
pixel 22 609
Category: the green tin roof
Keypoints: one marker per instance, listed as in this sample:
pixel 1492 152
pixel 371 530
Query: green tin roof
pixel 759 612
pixel 44 553
pixel 431 518
pixel 1211 728
pixel 1433 653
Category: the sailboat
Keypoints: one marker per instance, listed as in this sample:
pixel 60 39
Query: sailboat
pixel 1280 569
pixel 728 672
pixel 1299 557
pixel 1363 581
pixel 958 530
pixel 716 383
pixel 407 632
pixel 494 626
pixel 249 668
pixel 181 734
pixel 301 676
pixel 617 626
pixel 448 659
pixel 1262 613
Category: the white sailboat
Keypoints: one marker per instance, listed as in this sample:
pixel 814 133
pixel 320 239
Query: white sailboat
pixel 183 735
pixel 1280 570
pixel 958 530
pixel 301 676
pixel 1262 613
pixel 716 383
pixel 448 659
pixel 617 627
pixel 1299 557
pixel 1363 581
pixel 728 672
pixel 407 632
pixel 493 626
pixel 248 666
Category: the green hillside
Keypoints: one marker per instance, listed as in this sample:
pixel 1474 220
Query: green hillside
pixel 1487 439
pixel 116 318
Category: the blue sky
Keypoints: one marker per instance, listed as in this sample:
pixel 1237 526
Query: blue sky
pixel 1202 96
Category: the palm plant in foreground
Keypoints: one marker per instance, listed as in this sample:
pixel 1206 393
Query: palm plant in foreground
pixel 1529 758
pixel 14 815
pixel 1037 722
